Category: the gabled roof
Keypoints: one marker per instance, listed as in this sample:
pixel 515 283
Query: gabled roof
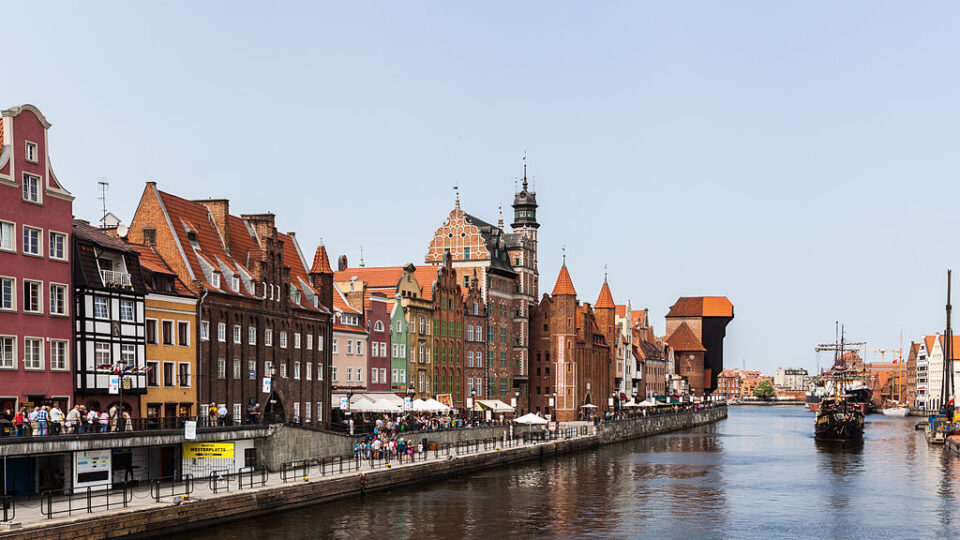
pixel 377 277
pixel 564 283
pixel 340 303
pixel 702 306
pixel 85 232
pixel 605 300
pixel 151 261
pixel 425 275
pixel 683 339
pixel 621 310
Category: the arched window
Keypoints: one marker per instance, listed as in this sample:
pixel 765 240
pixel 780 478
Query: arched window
pixel 378 327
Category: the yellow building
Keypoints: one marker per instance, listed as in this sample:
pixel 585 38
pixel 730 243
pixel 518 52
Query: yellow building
pixel 171 351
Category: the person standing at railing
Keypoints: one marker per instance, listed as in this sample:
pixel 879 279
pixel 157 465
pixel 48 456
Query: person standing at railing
pixel 18 422
pixel 56 419
pixel 113 417
pixel 41 419
pixel 104 421
pixel 127 422
pixel 93 420
pixel 222 415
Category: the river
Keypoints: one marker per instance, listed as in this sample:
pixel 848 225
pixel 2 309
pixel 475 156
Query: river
pixel 759 473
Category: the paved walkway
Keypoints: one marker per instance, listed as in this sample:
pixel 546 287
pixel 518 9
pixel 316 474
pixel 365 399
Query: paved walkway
pixel 29 511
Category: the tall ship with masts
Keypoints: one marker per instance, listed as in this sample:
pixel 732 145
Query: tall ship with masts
pixel 897 407
pixel 839 417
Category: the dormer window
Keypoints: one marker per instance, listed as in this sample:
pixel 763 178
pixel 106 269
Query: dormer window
pixel 31 152
pixel 216 280
pixel 296 297
pixel 315 304
pixel 236 283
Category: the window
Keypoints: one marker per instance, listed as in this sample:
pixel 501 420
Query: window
pixel 252 369
pixel 306 411
pixel 8 298
pixel 334 376
pixel 403 376
pixel 57 246
pixel 359 347
pixel 126 310
pixel 168 374
pixel 216 280
pixel 221 332
pixel 205 330
pixel 8 236
pixel 378 326
pixel 32 353
pixel 31 241
pixel 309 371
pixel 283 370
pixel 31 188
pixel 374 377
pixel 267 368
pixel 251 335
pixel 296 411
pixel 349 346
pixel 268 337
pixel 373 351
pixel 383 375
pixel 320 343
pixel 309 342
pixel 235 282
pixel 422 325
pixel 283 339
pixel 296 370
pixel 31 152
pixel 58 354
pixel 167 327
pixel 466 252
pixel 128 355
pixel 236 369
pixel 383 349
pixel 319 372
pixel 58 299
pixel 183 333
pixel 8 352
pixel 101 309
pixel 476 308
pixel 101 354
pixel 221 368
pixel 319 411
pixel 237 333
pixel 151 329
pixel 334 346
pixel 393 376
pixel 469 358
pixel 466 281
pixel 153 369
pixel 469 332
pixel 399 327
pixel 503 335
pixel 32 297
pixel 296 340
pixel 184 375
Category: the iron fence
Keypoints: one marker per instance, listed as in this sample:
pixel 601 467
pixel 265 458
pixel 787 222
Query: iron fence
pixel 171 486
pixel 56 502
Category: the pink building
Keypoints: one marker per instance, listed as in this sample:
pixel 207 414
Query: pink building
pixel 36 221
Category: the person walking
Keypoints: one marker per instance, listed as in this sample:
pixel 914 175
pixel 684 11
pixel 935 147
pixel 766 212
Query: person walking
pixel 127 422
pixel 113 417
pixel 93 420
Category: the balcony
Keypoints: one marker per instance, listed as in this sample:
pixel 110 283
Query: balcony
pixel 114 279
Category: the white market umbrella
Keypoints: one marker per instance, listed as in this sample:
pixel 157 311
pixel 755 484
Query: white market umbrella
pixel 530 418
pixel 647 403
pixel 630 404
pixel 588 406
pixel 435 406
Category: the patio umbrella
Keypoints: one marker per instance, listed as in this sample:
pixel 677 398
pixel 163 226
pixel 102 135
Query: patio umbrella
pixel 530 418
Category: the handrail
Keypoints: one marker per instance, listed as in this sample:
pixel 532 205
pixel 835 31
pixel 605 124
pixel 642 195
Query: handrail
pixel 250 473
pixel 9 507
pixel 292 470
pixel 184 482
pixel 86 497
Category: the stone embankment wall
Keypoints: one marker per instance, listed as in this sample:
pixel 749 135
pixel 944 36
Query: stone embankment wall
pixel 164 518
pixel 287 443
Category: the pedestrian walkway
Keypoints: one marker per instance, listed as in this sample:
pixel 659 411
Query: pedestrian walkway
pixel 56 509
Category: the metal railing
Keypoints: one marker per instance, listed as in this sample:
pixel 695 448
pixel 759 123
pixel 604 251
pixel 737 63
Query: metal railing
pixel 251 477
pixel 9 505
pixel 114 278
pixel 295 470
pixel 219 480
pixel 175 486
pixel 56 502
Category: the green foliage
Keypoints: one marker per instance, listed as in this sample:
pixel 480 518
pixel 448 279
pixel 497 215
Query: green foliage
pixel 764 390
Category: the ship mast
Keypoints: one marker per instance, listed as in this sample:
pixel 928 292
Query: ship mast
pixel 946 392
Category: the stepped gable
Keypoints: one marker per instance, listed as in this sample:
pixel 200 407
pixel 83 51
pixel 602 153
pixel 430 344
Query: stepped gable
pixel 564 283
pixel 683 339
pixel 605 300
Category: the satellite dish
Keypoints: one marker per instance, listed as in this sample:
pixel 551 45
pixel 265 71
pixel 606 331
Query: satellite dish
pixel 122 230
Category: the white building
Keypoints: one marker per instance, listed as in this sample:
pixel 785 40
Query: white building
pixel 791 378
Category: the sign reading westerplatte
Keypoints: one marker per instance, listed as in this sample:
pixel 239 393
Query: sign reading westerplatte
pixel 208 450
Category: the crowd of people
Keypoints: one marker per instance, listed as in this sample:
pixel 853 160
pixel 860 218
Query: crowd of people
pixel 50 420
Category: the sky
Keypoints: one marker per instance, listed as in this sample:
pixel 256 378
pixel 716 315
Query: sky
pixel 798 158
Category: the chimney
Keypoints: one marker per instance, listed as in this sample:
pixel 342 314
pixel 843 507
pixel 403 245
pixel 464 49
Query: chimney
pixel 219 210
pixel 263 224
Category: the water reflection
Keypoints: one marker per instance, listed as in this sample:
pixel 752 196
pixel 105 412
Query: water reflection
pixel 758 474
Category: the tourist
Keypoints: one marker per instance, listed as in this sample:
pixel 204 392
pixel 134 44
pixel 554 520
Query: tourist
pixel 212 414
pixel 32 417
pixel 104 421
pixel 74 424
pixel 113 417
pixel 222 415
pixel 18 421
pixel 127 421
pixel 56 420
pixel 256 413
pixel 42 417
pixel 93 419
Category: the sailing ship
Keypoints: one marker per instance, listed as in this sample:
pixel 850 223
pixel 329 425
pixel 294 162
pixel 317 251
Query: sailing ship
pixel 839 417
pixel 895 407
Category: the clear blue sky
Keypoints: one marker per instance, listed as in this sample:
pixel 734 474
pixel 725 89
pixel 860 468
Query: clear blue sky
pixel 798 158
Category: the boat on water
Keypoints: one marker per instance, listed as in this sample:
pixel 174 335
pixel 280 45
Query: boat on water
pixel 838 419
pixel 858 392
pixel 896 410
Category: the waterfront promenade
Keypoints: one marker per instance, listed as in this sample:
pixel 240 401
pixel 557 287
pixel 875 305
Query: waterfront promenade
pixel 199 502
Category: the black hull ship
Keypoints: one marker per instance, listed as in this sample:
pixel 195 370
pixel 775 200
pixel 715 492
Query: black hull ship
pixel 838 419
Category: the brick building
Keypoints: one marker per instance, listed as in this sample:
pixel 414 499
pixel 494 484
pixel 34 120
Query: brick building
pixel 448 342
pixel 264 319
pixel 706 317
pixel 475 342
pixel 570 355
pixel 36 223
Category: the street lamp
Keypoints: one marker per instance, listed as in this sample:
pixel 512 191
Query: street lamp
pixel 470 399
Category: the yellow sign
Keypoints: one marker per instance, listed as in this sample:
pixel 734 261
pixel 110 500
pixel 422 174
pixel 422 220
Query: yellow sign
pixel 208 450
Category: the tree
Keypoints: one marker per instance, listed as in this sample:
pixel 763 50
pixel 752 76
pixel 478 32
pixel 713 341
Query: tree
pixel 764 390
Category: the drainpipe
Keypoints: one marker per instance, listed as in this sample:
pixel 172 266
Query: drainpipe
pixel 199 343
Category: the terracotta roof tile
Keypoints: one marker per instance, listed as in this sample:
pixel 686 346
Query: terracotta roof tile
pixel 621 310
pixel 321 264
pixel 702 306
pixel 377 277
pixel 425 276
pixel 683 339
pixel 564 283
pixel 605 300
pixel 153 262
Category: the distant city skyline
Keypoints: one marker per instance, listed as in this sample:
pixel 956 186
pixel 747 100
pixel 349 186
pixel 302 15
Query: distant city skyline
pixel 797 159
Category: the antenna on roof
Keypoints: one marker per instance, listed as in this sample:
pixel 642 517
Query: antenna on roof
pixel 524 170
pixel 604 272
pixel 103 186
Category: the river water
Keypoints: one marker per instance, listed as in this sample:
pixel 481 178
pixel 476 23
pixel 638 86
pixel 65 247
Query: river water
pixel 757 474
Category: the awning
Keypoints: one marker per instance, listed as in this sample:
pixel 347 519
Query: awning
pixel 494 405
pixel 588 406
pixel 530 418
